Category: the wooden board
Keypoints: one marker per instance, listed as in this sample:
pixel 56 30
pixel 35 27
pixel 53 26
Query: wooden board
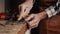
pixel 12 29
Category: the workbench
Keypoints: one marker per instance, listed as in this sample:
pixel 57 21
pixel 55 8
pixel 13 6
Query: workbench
pixel 12 29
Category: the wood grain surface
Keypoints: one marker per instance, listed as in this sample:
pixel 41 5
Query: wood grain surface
pixel 12 29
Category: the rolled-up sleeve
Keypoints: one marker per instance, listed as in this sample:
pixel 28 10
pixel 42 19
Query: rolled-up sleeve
pixel 52 11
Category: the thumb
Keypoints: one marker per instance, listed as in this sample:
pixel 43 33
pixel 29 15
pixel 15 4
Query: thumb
pixel 19 18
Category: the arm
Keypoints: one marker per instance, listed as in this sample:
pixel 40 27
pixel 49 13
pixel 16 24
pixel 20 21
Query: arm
pixel 36 18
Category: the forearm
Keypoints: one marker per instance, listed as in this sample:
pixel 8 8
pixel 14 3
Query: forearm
pixel 42 15
pixel 48 13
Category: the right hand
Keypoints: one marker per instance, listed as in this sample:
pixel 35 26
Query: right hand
pixel 24 9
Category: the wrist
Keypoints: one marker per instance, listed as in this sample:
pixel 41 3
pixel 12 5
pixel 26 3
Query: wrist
pixel 43 15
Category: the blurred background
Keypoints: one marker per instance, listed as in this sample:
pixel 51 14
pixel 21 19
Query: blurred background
pixel 2 6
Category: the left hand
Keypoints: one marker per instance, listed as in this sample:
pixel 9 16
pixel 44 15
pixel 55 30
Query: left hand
pixel 34 19
pixel 24 9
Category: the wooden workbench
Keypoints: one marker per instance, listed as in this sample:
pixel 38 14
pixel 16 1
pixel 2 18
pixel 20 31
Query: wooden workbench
pixel 12 29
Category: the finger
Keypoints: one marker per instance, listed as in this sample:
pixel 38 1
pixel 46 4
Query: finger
pixel 29 17
pixel 21 12
pixel 19 8
pixel 34 25
pixel 26 13
pixel 33 21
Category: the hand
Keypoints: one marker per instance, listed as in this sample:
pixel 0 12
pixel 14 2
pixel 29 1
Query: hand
pixel 24 9
pixel 34 19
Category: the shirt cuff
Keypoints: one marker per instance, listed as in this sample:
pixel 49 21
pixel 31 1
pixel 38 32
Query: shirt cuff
pixel 51 11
